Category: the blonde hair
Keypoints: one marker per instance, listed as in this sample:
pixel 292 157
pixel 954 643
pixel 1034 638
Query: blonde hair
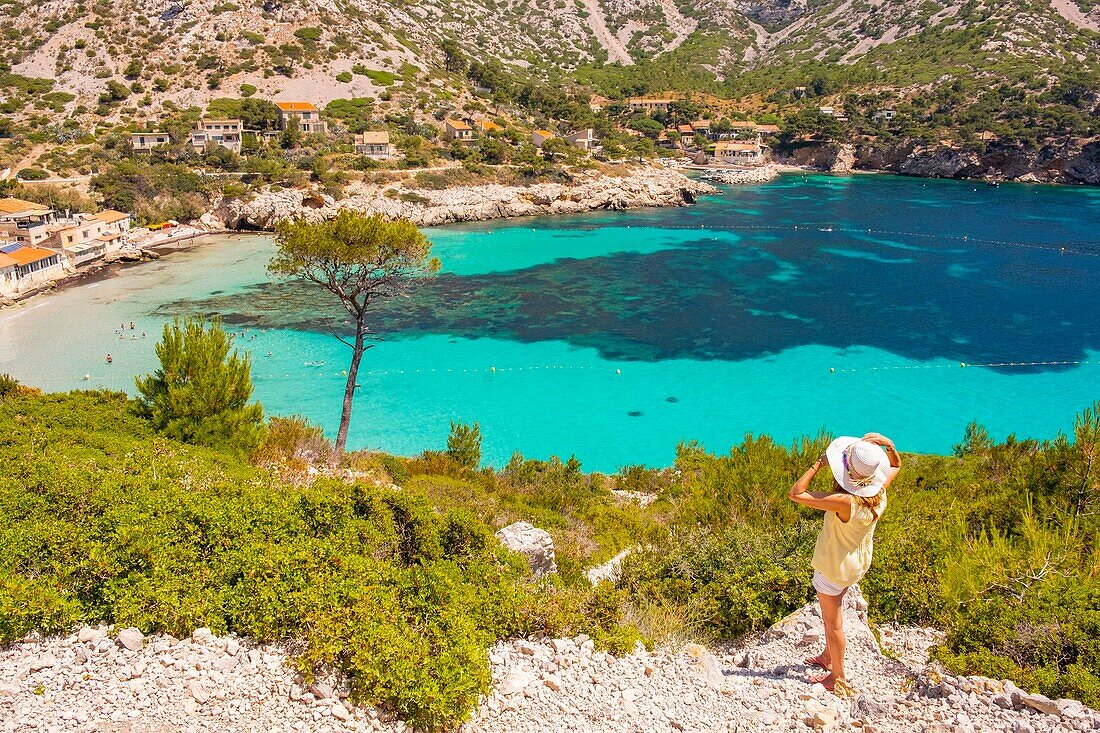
pixel 867 502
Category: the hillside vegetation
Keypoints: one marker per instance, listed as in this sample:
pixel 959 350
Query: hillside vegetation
pixel 403 589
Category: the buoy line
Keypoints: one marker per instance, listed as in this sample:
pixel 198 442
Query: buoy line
pixel 963 365
pixel 1068 247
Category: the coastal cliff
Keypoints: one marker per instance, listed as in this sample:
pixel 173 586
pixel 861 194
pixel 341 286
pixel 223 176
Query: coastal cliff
pixel 1067 160
pixel 586 191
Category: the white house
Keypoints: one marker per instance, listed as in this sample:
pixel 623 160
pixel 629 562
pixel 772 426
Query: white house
pixel 584 139
pixel 373 144
pixel 143 142
pixel 739 152
pixel 226 133
pixel 33 266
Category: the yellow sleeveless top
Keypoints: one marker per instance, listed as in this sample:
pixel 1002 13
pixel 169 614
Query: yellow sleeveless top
pixel 843 551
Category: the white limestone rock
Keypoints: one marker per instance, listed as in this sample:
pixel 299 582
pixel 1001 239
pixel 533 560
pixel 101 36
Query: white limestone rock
pixel 532 542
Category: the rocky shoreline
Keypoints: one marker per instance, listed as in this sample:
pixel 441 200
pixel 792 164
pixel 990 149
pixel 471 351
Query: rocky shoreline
pixel 1068 160
pixel 643 186
pixel 99 679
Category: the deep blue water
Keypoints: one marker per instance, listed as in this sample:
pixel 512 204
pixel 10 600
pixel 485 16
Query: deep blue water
pixel 843 302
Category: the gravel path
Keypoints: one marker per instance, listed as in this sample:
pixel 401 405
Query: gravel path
pixel 96 681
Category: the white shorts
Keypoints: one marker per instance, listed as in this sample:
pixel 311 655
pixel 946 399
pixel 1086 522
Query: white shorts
pixel 826 587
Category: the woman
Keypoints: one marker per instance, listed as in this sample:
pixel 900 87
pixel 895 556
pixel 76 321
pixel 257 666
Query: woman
pixel 861 470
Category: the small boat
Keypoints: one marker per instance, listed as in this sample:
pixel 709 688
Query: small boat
pixel 993 184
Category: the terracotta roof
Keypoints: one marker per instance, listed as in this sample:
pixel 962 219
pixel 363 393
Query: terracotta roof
pixel 735 145
pixel 660 100
pixel 767 128
pixel 110 216
pixel 18 206
pixel 742 124
pixel 372 138
pixel 27 255
pixel 296 106
pixel 544 133
pixel 456 124
pixel 701 124
pixel 488 126
pixel 685 129
pixel 6 261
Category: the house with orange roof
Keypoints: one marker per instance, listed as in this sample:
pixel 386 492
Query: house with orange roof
pixel 487 126
pixel 305 114
pixel 8 277
pixel 767 129
pixel 114 222
pixel 538 137
pixel 25 222
pixel 33 266
pixel 457 131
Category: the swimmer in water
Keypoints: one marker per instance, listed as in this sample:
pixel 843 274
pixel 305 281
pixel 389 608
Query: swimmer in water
pixel 109 359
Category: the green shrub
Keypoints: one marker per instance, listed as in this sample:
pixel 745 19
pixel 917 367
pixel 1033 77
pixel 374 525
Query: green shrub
pixel 200 392
pixel 344 77
pixel 464 444
pixel 118 525
pixel 308 34
pixel 32 174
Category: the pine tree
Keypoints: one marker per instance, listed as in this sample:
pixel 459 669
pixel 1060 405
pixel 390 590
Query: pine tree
pixel 464 444
pixel 200 392
pixel 359 259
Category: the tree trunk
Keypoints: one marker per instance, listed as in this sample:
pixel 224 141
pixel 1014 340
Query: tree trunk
pixel 349 391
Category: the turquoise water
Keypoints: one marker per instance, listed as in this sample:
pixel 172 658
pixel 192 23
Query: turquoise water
pixel 844 303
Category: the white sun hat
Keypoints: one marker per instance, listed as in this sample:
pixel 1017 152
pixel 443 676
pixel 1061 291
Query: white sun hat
pixel 857 465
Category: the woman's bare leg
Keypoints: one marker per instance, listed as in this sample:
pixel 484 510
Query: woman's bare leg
pixel 834 637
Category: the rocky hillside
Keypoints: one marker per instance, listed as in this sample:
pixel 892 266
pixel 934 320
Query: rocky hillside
pixel 98 679
pixel 186 51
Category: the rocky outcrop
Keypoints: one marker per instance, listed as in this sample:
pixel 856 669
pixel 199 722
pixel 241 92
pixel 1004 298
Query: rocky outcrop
pixel 589 190
pixel 534 543
pixel 1068 160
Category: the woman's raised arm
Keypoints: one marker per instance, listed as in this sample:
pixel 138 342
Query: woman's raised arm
pixel 832 502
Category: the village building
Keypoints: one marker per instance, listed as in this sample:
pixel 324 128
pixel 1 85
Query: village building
pixel 649 104
pixel 306 114
pixel 538 137
pixel 457 131
pixel 702 127
pixel 25 222
pixel 487 126
pixel 373 144
pixel 767 129
pixel 80 239
pixel 597 103
pixel 740 153
pixel 33 266
pixel 225 133
pixel 144 142
pixel 8 276
pixel 115 223
pixel 584 139
pixel 885 114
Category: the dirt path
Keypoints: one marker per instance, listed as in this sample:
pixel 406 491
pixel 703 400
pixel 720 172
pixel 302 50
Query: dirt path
pixel 616 51
pixel 1069 10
